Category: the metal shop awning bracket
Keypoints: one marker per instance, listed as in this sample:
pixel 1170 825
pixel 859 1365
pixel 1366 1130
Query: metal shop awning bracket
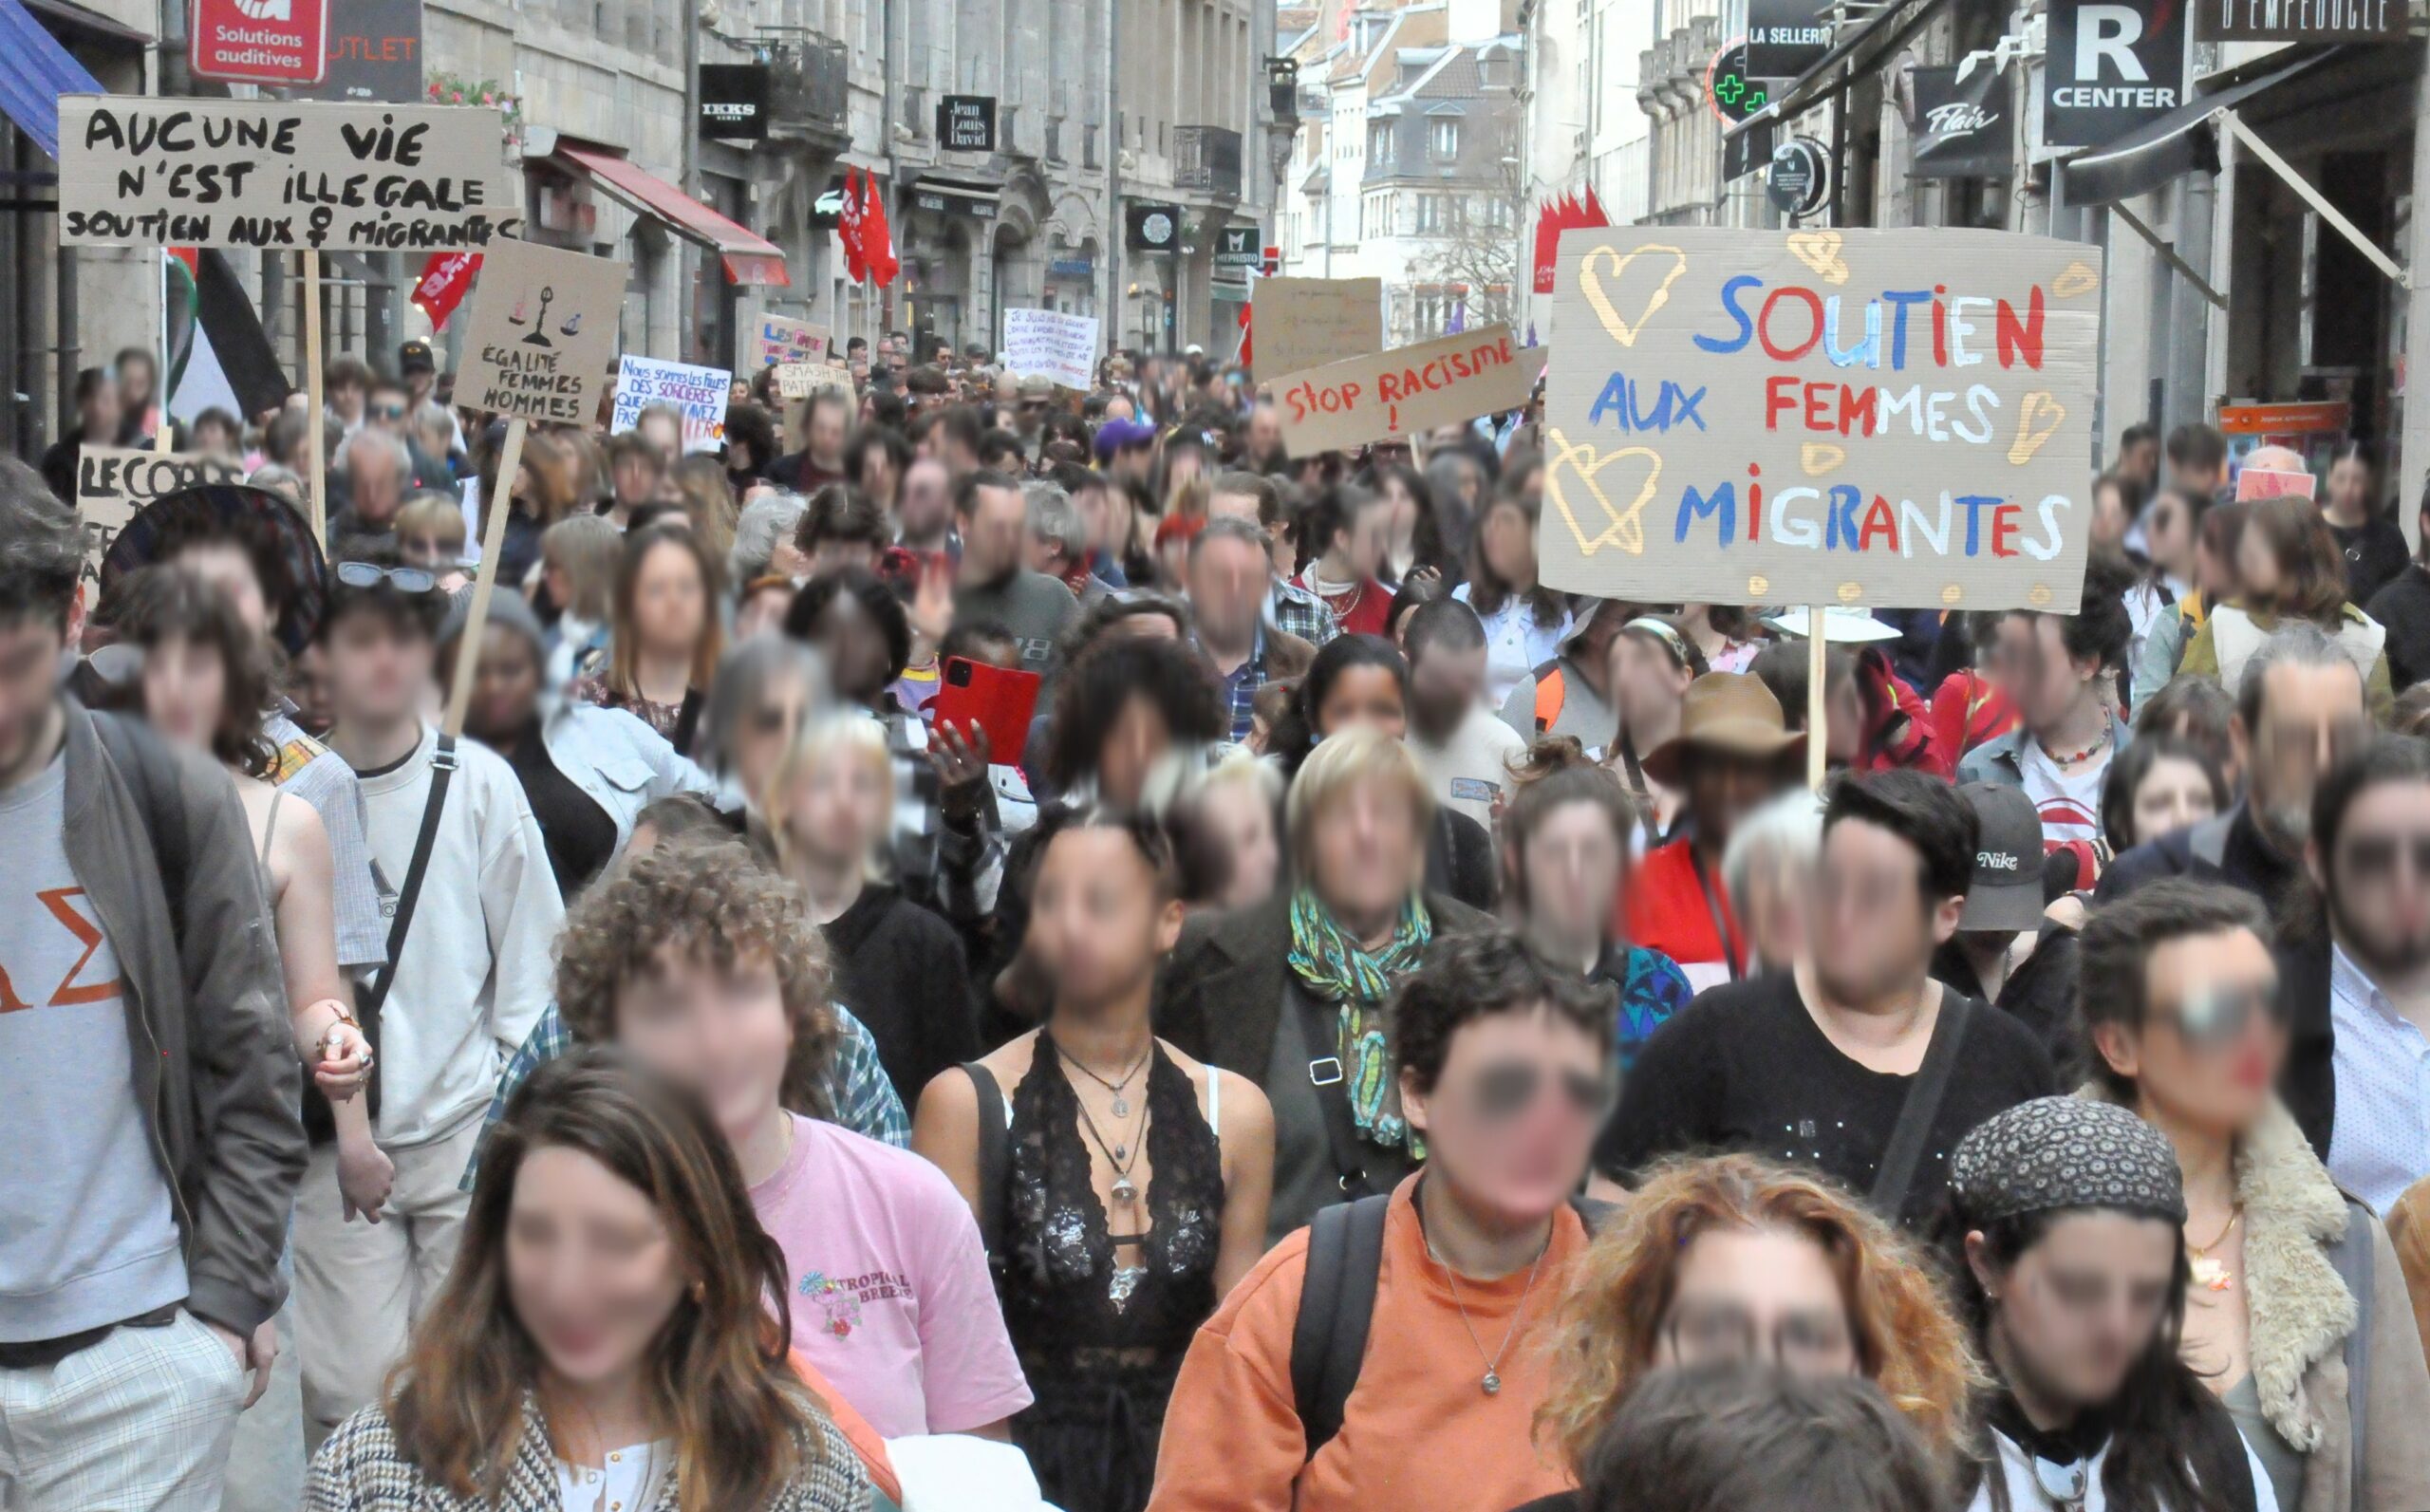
pixel 2312 196
pixel 2169 255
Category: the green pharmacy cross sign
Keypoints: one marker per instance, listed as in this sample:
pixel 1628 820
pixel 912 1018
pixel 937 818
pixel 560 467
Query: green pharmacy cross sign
pixel 1732 94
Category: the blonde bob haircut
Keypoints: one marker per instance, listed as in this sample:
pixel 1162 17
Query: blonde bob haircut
pixel 1341 762
pixel 845 734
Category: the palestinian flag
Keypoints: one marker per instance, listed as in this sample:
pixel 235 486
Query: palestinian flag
pixel 220 356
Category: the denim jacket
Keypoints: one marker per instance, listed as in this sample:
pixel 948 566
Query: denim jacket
pixel 623 764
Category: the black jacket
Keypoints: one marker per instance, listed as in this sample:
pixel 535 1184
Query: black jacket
pixel 2040 995
pixel 900 969
pixel 2226 849
pixel 2307 1082
pixel 2403 607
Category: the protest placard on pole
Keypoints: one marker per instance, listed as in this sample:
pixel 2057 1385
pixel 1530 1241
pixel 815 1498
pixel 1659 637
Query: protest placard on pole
pixel 1048 344
pixel 700 394
pixel 1409 388
pixel 282 173
pixel 779 341
pixel 114 483
pixel 1306 323
pixel 801 379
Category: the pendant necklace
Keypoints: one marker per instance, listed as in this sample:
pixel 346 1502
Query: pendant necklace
pixel 1491 1385
pixel 1121 1102
pixel 1121 1157
pixel 2213 1275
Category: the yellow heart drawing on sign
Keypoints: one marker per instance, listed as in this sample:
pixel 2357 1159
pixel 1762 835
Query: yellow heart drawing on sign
pixel 1626 529
pixel 2076 278
pixel 2029 440
pixel 1626 331
pixel 1818 457
pixel 1820 250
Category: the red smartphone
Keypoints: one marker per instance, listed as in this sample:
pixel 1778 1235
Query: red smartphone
pixel 978 696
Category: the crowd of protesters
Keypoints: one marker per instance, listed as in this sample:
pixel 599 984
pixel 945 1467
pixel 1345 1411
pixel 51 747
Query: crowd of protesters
pixel 995 947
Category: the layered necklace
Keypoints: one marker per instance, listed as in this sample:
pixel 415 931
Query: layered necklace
pixel 1121 1152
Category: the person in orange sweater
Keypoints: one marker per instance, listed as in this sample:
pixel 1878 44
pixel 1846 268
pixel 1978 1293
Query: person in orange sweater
pixel 1504 1066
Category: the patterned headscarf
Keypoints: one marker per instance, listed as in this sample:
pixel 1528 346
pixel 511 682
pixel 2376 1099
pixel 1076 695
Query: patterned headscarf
pixel 2056 1152
pixel 1336 969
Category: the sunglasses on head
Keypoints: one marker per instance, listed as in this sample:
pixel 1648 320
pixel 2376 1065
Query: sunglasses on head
pixel 2374 857
pixel 371 574
pixel 2212 1017
pixel 1506 1089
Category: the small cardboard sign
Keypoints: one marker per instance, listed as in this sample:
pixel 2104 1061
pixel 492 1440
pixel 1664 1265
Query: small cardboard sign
pixel 282 173
pixel 1897 419
pixel 700 394
pixel 801 379
pixel 544 327
pixel 114 483
pixel 781 340
pixel 1306 323
pixel 2261 482
pixel 1407 389
pixel 1048 344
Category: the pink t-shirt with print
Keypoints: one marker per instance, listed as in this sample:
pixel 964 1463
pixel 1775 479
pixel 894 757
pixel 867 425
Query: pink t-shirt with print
pixel 889 1290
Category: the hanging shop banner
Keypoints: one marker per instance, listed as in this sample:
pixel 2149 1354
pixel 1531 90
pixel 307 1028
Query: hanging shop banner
pixel 1886 417
pixel 1305 323
pixel 282 173
pixel 700 394
pixel 375 52
pixel 1151 225
pixel 2299 20
pixel 543 329
pixel 114 483
pixel 1965 127
pixel 1799 179
pixel 733 101
pixel 1403 391
pixel 781 341
pixel 1047 343
pixel 967 123
pixel 269 42
pixel 801 379
pixel 2110 68
pixel 1785 37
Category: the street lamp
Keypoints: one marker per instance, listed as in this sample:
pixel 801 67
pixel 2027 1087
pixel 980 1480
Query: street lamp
pixel 1283 104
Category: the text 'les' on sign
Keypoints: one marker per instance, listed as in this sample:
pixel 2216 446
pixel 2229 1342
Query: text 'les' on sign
pixel 543 333
pixel 1405 390
pixel 282 174
pixel 1898 419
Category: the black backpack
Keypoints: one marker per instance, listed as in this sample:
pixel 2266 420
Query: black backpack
pixel 1337 1306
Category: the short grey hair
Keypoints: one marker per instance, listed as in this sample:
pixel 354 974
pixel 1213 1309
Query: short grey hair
pixel 1785 833
pixel 389 446
pixel 2296 643
pixel 430 415
pixel 764 522
pixel 1053 518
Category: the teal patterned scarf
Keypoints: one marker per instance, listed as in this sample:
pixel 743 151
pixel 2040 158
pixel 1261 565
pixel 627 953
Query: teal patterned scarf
pixel 1338 970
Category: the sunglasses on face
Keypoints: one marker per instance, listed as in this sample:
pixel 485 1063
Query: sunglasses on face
pixel 2214 1017
pixel 2376 857
pixel 1503 1091
pixel 371 574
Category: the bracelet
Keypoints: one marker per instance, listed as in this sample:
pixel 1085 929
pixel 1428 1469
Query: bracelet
pixel 321 1046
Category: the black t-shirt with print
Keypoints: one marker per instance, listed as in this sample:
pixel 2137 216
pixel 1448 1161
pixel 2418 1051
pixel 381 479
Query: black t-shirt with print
pixel 1746 1067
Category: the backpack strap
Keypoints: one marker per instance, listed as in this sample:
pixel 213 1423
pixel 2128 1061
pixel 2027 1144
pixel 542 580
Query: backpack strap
pixel 1337 1306
pixel 2357 1266
pixel 1896 1176
pixel 995 1152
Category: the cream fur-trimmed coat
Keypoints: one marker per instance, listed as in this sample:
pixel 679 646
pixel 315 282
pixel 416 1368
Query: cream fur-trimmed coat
pixel 2300 1315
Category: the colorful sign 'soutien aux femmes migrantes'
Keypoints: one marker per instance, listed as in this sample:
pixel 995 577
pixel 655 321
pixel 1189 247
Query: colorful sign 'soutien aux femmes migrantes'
pixel 1888 418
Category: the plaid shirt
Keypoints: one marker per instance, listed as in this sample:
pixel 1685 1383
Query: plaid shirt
pixel 955 871
pixel 1241 685
pixel 1293 611
pixel 865 1100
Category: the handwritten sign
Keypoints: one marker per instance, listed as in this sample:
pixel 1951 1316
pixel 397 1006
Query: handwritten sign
pixel 1305 323
pixel 274 173
pixel 783 341
pixel 2260 482
pixel 544 327
pixel 1890 418
pixel 801 379
pixel 700 394
pixel 1409 388
pixel 114 483
pixel 1047 343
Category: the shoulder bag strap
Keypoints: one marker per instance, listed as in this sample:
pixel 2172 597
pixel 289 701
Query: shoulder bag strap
pixel 1337 1306
pixel 1920 1110
pixel 1730 954
pixel 442 771
pixel 1329 1081
pixel 995 1152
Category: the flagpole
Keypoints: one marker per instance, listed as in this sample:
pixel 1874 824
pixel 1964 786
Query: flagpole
pixel 494 512
pixel 161 438
pixel 318 508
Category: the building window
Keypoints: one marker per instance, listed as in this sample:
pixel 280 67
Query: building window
pixel 1429 213
pixel 1379 144
pixel 1442 138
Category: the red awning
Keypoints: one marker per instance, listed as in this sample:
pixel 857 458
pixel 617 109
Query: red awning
pixel 750 259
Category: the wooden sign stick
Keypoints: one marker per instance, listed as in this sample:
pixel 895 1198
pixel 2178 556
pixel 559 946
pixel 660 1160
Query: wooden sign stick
pixel 162 438
pixel 493 513
pixel 318 511
pixel 1818 718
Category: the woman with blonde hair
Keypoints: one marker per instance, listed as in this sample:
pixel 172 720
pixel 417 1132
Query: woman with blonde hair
pixel 1732 1258
pixel 708 501
pixel 578 560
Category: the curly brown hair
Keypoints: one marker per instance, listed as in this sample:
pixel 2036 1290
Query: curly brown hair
pixel 712 901
pixel 1609 1325
pixel 158 605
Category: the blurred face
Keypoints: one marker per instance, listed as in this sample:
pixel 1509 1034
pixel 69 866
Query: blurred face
pixel 1227 587
pixel 1723 789
pixel 723 1036
pixel 592 1272
pixel 764 732
pixel 426 550
pixel 2109 516
pixel 229 570
pixel 857 654
pixel 1368 850
pixel 185 691
pixel 1444 685
pixel 661 431
pixel 1758 1294
pixel 1573 864
pixel 2168 530
pixel 825 431
pixel 1400 510
pixel 2349 483
pixel 2077 1310
pixel 762 613
pixel 2173 793
pixel 670 603
pixel 830 556
pixel 2257 566
pixel 1647 681
pixel 1138 741
pixel 1774 911
pixel 506 684
pixel 375 486
pixel 1364 541
pixel 377 671
pixel 99 411
pixel 1242 822
pixel 2379 879
pixel 1514 1112
pixel 308 685
pixel 2032 667
pixel 991 534
pixel 135 383
pixel 1099 921
pixel 2142 460
pixel 838 809
pixel 386 409
pixel 1511 545
pixel 1873 930
pixel 1368 695
pixel 214 437
pixel 633 478
pixel 2214 1032
pixel 2310 717
pixel 1265 431
pixel 878 477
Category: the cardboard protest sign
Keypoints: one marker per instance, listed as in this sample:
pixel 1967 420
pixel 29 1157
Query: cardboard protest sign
pixel 1305 323
pixel 2262 482
pixel 801 379
pixel 282 173
pixel 114 483
pixel 544 327
pixel 1047 343
pixel 781 341
pixel 1887 418
pixel 700 394
pixel 1409 388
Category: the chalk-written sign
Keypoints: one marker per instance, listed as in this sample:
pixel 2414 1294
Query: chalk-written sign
pixel 277 173
pixel 114 483
pixel 544 327
pixel 698 394
pixel 801 379
pixel 1409 388
pixel 1305 323
pixel 782 341
pixel 1888 418
pixel 1048 344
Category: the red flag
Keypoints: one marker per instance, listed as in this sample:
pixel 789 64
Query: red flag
pixel 1595 216
pixel 877 237
pixel 447 278
pixel 848 227
pixel 1243 358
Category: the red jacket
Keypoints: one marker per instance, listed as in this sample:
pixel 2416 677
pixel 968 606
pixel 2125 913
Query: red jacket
pixel 1898 730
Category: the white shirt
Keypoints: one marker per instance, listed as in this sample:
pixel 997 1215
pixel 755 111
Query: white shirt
pixel 1515 644
pixel 1471 770
pixel 2069 802
pixel 2380 1143
pixel 2025 1493
pixel 624 1483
